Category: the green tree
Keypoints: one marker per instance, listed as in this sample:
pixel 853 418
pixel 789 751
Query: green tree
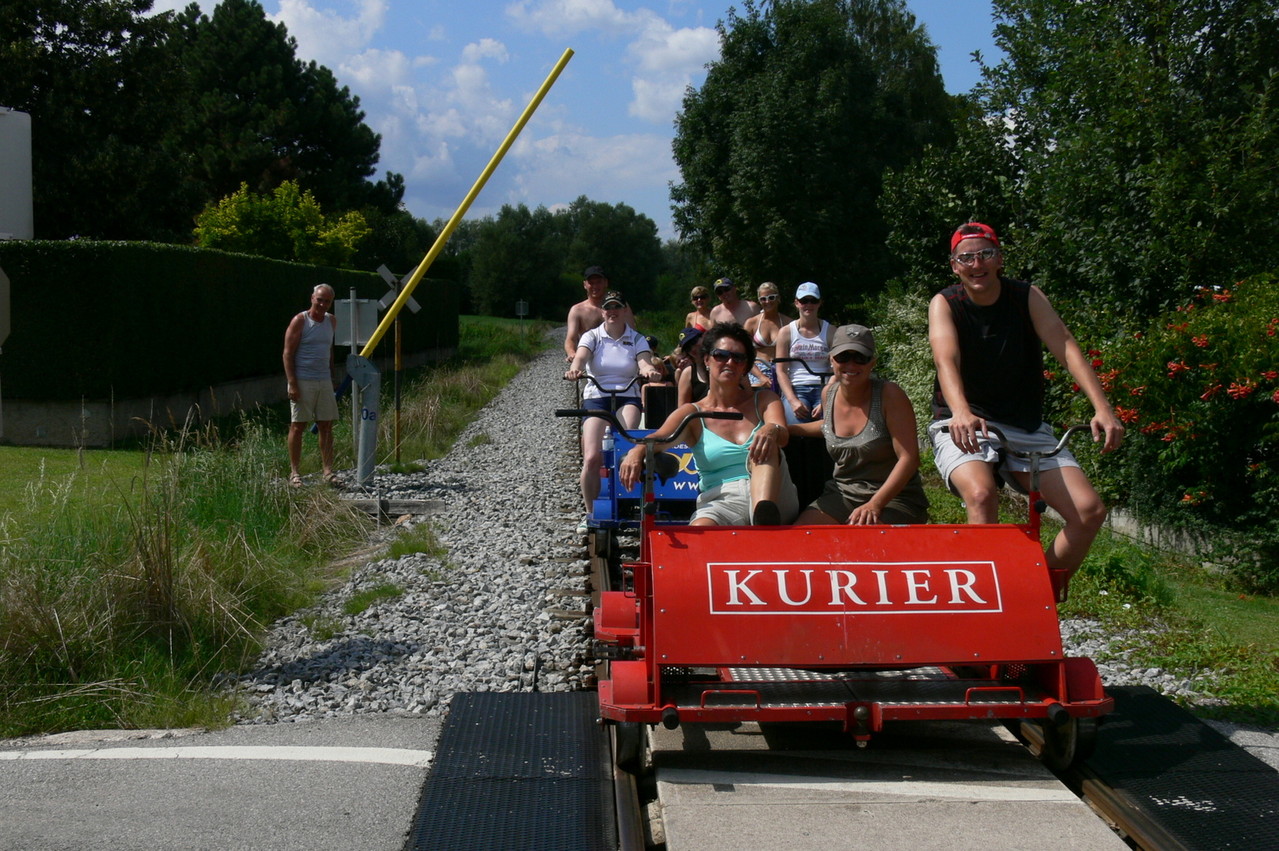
pixel 616 237
pixel 262 116
pixel 518 254
pixel 1146 138
pixel 287 224
pixel 782 150
pixel 102 90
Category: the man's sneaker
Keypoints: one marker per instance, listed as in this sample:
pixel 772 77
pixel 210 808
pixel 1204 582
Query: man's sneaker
pixel 767 513
pixel 584 526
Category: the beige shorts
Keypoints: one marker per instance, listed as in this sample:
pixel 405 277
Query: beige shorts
pixel 315 403
pixel 948 456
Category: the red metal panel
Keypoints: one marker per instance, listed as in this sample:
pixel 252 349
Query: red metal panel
pixel 846 596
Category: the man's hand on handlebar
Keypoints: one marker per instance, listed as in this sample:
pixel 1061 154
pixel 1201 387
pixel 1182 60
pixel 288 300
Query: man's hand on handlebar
pixel 965 430
pixel 632 467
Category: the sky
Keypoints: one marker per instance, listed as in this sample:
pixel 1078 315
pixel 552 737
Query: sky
pixel 444 81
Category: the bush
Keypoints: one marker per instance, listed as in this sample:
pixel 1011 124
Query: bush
pixel 1199 392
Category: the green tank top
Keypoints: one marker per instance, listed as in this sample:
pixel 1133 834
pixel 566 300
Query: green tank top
pixel 720 460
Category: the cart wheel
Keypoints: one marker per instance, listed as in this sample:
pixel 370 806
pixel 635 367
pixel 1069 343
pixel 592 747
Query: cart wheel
pixel 1067 744
pixel 628 746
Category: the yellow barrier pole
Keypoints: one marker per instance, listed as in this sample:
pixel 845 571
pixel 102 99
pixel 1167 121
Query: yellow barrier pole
pixel 407 289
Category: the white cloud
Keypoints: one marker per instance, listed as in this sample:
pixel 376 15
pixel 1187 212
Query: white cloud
pixel 326 36
pixel 559 18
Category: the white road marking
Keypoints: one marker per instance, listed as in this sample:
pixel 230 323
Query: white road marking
pixel 385 756
pixel 902 788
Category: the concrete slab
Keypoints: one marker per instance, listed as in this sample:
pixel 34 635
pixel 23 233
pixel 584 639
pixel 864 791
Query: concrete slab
pixel 340 784
pixel 924 785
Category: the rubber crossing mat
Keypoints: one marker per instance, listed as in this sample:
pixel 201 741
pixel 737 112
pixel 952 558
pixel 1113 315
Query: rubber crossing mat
pixel 519 772
pixel 1185 780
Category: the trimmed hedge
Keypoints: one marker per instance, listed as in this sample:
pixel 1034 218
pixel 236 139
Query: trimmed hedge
pixel 101 320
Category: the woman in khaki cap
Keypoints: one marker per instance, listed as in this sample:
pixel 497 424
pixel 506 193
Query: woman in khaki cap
pixel 870 431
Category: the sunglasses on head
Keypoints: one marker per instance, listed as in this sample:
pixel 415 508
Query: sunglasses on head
pixel 855 357
pixel 724 356
pixel 808 299
pixel 767 299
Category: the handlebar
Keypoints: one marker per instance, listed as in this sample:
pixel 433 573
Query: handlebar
pixel 1061 444
pixel 807 368
pixel 627 386
pixel 652 439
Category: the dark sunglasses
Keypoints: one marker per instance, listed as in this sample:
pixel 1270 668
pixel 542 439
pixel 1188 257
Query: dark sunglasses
pixel 809 300
pixel 699 298
pixel 855 357
pixel 724 356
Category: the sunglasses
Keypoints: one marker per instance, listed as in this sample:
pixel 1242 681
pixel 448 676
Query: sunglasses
pixel 699 298
pixel 809 300
pixel 968 258
pixel 855 357
pixel 724 356
pixel 768 299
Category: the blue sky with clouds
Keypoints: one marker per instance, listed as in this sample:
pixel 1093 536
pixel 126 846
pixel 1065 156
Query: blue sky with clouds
pixel 443 81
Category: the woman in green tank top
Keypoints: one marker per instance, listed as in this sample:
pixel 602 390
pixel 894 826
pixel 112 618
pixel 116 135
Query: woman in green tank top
pixel 742 472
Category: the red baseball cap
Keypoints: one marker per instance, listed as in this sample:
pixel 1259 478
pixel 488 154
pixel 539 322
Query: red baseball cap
pixel 973 230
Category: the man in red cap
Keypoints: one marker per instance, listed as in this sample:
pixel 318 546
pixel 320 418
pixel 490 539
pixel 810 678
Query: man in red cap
pixel 988 334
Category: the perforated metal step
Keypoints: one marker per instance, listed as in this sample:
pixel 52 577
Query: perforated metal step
pixel 519 771
pixel 1190 781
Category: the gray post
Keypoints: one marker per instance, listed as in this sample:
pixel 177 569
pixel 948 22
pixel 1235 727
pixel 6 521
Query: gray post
pixel 365 376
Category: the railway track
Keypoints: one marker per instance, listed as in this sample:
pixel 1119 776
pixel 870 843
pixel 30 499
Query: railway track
pixel 1134 784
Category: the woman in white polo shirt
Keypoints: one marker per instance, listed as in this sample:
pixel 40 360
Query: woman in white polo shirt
pixel 612 353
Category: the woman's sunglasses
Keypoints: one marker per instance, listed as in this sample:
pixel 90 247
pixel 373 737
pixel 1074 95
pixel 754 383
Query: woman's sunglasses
pixel 724 356
pixel 699 298
pixel 768 299
pixel 855 357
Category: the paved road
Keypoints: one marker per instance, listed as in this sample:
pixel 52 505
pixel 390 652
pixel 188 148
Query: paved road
pixel 342 784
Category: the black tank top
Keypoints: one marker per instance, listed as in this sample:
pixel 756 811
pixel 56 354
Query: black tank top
pixel 1001 358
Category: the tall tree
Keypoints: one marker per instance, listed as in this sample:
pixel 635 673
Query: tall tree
pixel 517 255
pixel 262 116
pixel 1146 139
pixel 102 90
pixel 782 149
pixel 623 241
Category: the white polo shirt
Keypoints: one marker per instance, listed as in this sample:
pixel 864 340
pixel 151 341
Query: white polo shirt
pixel 612 361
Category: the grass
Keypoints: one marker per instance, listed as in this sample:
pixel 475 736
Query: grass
pixel 1177 615
pixel 361 600
pixel 132 583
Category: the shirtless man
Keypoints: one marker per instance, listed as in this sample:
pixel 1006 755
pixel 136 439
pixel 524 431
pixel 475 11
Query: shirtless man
pixel 731 307
pixel 589 312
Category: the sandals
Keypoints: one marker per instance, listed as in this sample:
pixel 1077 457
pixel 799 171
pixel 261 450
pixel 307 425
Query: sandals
pixel 332 480
pixel 295 481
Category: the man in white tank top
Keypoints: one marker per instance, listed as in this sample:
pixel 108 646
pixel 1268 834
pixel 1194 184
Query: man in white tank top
pixel 308 368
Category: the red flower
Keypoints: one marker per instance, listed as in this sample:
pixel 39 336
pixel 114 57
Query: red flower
pixel 1049 376
pixel 1241 389
pixel 1137 391
pixel 1275 398
pixel 1126 415
pixel 1270 375
pixel 1210 392
pixel 1178 327
pixel 1176 366
pixel 1224 295
pixel 1201 341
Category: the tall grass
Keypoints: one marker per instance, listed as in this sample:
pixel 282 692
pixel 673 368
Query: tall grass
pixel 125 611
pixel 120 614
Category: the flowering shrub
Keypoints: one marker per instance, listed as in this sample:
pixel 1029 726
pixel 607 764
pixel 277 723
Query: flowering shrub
pixel 1199 393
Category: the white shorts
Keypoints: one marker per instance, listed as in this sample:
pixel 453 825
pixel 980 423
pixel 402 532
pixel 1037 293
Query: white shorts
pixel 730 503
pixel 316 402
pixel 948 457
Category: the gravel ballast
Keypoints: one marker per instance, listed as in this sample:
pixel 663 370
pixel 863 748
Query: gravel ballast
pixel 505 608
